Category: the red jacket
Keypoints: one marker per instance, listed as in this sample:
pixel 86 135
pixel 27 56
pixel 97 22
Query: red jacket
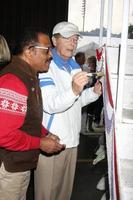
pixel 13 105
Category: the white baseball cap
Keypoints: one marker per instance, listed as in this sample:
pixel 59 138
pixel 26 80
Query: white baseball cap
pixel 66 29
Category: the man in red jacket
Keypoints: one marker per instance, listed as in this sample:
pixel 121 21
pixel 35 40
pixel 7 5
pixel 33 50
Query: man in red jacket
pixel 21 131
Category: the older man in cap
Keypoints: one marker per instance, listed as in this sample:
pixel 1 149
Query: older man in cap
pixel 63 97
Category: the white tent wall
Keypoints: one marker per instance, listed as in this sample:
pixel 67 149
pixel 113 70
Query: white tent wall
pixel 121 74
pixel 120 63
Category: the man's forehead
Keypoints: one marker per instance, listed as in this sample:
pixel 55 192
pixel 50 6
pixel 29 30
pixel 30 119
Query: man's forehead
pixel 44 39
pixel 74 36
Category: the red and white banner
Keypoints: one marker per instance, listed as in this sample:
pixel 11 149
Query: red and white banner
pixel 109 116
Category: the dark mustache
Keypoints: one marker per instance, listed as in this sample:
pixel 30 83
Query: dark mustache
pixel 49 60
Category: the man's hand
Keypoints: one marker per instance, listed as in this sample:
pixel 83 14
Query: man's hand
pixel 53 136
pixel 98 88
pixel 50 145
pixel 79 81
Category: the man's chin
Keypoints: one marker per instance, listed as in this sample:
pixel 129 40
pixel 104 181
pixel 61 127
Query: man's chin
pixel 44 69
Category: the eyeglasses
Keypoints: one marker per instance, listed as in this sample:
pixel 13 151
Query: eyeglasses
pixel 41 47
pixel 73 39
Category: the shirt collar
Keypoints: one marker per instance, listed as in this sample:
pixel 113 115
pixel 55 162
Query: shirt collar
pixel 67 65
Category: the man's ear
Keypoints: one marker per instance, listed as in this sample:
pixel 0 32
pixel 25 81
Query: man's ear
pixel 54 41
pixel 28 53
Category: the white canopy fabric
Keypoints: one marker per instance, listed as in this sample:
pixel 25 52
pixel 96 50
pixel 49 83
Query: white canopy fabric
pixel 88 49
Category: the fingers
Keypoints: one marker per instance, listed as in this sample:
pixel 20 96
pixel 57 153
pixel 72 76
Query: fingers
pixel 98 88
pixel 79 81
pixel 54 137
pixel 50 145
pixel 80 76
pixel 59 147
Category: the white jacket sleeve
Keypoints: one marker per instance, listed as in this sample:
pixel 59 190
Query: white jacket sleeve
pixel 88 96
pixel 55 101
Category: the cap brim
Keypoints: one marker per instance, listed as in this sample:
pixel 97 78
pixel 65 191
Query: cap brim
pixel 70 34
